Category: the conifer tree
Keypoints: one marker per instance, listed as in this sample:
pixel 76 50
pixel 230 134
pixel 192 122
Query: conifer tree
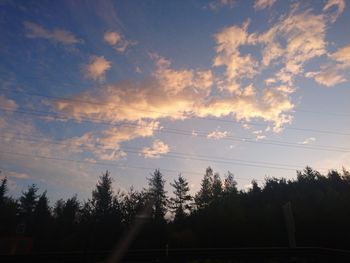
pixel 157 195
pixel 3 190
pixel 179 204
pixel 205 194
pixel 28 201
pixel 217 187
pixel 102 196
pixel 230 185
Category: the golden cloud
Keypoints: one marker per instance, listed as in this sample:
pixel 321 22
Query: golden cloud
pixel 97 68
pixel 57 35
pixel 156 150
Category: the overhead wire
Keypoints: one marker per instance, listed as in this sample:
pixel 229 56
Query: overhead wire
pixel 109 164
pixel 187 133
pixel 179 155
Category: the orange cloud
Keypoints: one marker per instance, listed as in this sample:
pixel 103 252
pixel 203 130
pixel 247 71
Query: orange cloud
pixel 152 99
pixel 8 104
pixel 57 35
pixel 217 135
pixel 262 4
pixel 117 40
pixel 332 73
pixel 340 6
pixel 97 68
pixel 156 150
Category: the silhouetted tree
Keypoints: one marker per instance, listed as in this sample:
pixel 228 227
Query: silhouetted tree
pixel 132 203
pixel 230 185
pixel 179 204
pixel 28 200
pixel 42 211
pixel 3 190
pixel 102 197
pixel 205 195
pixel 217 187
pixel 225 216
pixel 255 189
pixel 157 195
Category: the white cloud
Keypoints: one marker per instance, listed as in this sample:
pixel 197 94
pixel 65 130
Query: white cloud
pixel 165 96
pixel 238 66
pixel 262 4
pixel 14 174
pixel 112 38
pixel 176 81
pixel 106 144
pixel 308 140
pixel 97 68
pixel 117 41
pixel 329 76
pixel 338 4
pixel 8 104
pixel 56 35
pixel 218 4
pixel 296 39
pixel 156 150
pixel 332 73
pixel 217 135
pixel 55 173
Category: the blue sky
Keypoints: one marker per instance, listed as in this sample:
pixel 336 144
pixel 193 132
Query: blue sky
pixel 259 88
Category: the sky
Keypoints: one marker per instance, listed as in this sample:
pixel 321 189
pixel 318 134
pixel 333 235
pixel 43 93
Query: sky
pixel 258 88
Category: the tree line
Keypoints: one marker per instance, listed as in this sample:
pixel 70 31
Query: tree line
pixel 218 215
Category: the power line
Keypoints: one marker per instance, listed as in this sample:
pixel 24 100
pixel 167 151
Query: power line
pixel 107 164
pixel 178 155
pixel 179 114
pixel 186 133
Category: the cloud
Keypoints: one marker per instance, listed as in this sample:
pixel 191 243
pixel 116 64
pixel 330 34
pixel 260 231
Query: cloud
pixel 308 140
pixel 8 104
pixel 156 150
pixel 238 66
pixel 112 38
pixel 342 55
pixel 338 4
pixel 262 4
pixel 56 35
pixel 217 135
pixel 291 42
pixel 176 81
pixel 328 76
pixel 163 95
pixel 332 73
pixel 105 145
pixel 97 68
pixel 118 41
pixel 14 174
pixel 71 176
pixel 218 4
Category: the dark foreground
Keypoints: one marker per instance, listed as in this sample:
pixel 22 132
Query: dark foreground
pixel 268 254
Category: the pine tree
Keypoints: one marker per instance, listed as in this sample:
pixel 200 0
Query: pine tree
pixel 102 196
pixel 42 208
pixel 157 195
pixel 255 188
pixel 217 187
pixel 71 209
pixel 28 201
pixel 179 203
pixel 3 190
pixel 132 203
pixel 205 194
pixel 230 185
